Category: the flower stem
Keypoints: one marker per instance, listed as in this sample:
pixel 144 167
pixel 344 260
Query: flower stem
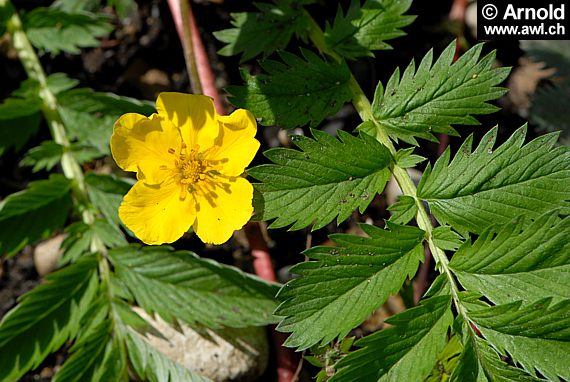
pixel 364 109
pixel 71 168
pixel 188 47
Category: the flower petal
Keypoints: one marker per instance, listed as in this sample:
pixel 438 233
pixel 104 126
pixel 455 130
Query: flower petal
pixel 145 146
pixel 194 115
pixel 156 214
pixel 222 211
pixel 237 143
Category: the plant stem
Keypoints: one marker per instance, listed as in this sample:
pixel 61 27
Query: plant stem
pixel 364 109
pixel 188 47
pixel 71 168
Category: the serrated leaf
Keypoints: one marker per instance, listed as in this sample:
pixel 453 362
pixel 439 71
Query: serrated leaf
pixel 489 187
pixel 106 193
pixel 100 356
pixel 19 120
pixel 445 238
pixel 154 366
pixel 56 83
pixel 54 30
pixel 479 362
pixel 89 116
pixel 34 213
pixel 345 284
pixel 330 177
pixel 432 98
pixel 548 110
pixel 447 361
pixel 537 335
pixel 45 318
pixel 294 93
pixel 76 243
pixel 404 210
pixel 180 285
pixel 406 158
pixel 405 352
pixel 366 28
pixel 43 157
pixel 263 32
pixel 518 263
pixel 48 154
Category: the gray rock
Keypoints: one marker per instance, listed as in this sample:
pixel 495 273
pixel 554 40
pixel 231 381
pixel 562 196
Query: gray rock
pixel 227 355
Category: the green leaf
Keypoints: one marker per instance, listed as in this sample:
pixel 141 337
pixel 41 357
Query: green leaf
pixel 447 361
pixel 365 28
pixel 445 238
pixel 152 365
pixel 294 93
pixel 537 335
pixel 406 158
pixel 518 263
pixel 330 177
pixel 263 32
pixel 56 82
pixel 404 210
pixel 46 318
pixel 405 352
pixel 345 284
pixel 48 154
pixel 54 30
pixel 19 119
pixel 432 98
pixel 100 356
pixel 43 157
pixel 34 213
pixel 106 193
pixel 180 285
pixel 484 188
pixel 479 362
pixel 89 116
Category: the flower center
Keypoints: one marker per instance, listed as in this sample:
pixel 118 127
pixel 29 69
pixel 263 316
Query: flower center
pixel 191 166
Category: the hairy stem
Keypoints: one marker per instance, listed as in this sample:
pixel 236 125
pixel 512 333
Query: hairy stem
pixel 364 109
pixel 71 168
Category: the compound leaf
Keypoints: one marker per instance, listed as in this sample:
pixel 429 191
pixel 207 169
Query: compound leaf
pixel 180 285
pixel 537 335
pixel 486 187
pixel 294 93
pixel 405 352
pixel 366 28
pixel 518 262
pixel 263 32
pixel 345 284
pixel 432 98
pixel 329 177
pixel 46 318
pixel 29 215
pixel 54 30
pixel 152 365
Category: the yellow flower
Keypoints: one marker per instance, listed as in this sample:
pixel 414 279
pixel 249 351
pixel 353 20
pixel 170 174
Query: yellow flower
pixel 189 161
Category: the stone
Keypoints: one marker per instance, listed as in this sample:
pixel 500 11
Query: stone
pixel 47 254
pixel 229 354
